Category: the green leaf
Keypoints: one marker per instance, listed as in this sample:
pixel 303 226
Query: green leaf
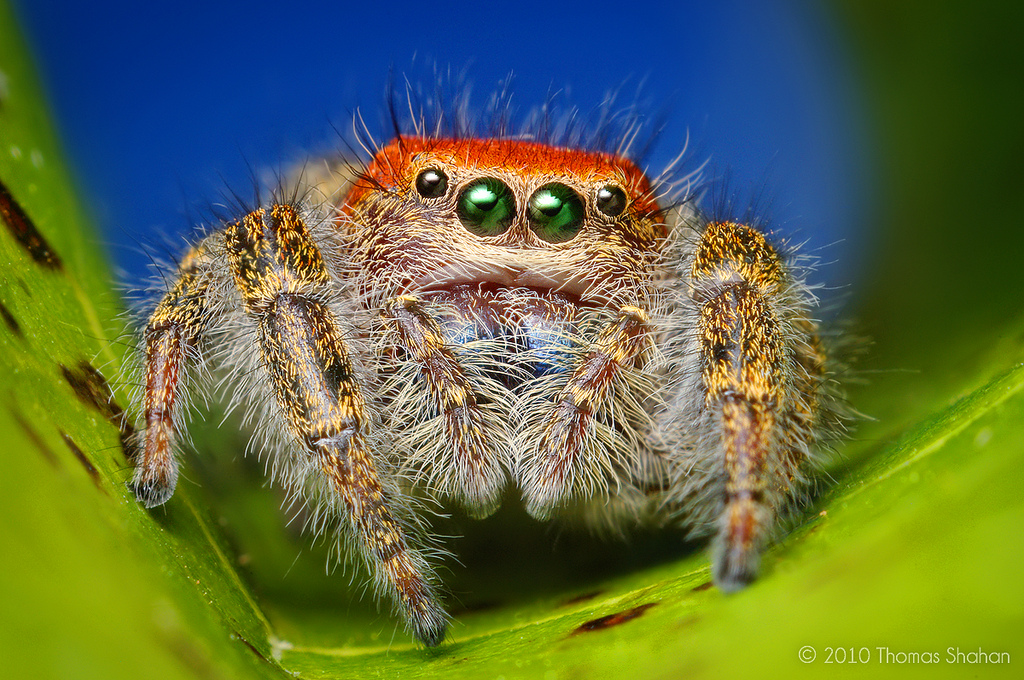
pixel 914 547
pixel 93 586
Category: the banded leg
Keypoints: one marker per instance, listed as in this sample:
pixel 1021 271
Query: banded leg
pixel 471 473
pixel 570 457
pixel 754 368
pixel 283 282
pixel 171 337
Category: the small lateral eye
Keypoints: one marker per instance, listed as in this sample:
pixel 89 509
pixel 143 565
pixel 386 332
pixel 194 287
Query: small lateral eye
pixel 556 213
pixel 431 183
pixel 611 200
pixel 487 207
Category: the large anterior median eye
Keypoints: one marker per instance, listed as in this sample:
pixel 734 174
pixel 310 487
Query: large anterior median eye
pixel 487 207
pixel 556 213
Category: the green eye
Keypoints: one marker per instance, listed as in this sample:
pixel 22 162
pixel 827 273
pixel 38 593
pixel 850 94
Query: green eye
pixel 487 207
pixel 556 213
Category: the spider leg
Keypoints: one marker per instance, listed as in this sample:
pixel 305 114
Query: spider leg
pixel 760 368
pixel 569 455
pixel 170 343
pixel 284 285
pixel 472 473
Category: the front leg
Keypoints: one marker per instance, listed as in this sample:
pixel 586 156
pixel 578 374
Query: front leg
pixel 572 452
pixel 761 400
pixel 284 284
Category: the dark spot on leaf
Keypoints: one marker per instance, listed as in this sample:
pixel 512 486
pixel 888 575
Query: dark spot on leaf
pixel 252 647
pixel 34 437
pixel 92 389
pixel 688 621
pixel 612 619
pixel 25 232
pixel 83 459
pixel 9 319
pixel 702 586
pixel 583 597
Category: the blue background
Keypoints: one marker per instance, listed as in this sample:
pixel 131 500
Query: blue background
pixel 163 106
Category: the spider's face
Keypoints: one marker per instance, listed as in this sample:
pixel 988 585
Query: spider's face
pixel 433 215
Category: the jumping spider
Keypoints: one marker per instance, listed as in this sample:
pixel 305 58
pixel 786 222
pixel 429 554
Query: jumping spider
pixel 470 312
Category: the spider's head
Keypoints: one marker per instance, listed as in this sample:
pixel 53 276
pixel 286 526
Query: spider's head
pixel 430 214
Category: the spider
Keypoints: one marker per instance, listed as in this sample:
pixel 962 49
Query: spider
pixel 469 313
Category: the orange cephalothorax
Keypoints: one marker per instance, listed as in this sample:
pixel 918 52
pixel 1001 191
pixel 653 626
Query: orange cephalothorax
pixel 430 214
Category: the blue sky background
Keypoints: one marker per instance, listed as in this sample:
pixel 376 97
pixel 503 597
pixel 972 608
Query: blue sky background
pixel 163 105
